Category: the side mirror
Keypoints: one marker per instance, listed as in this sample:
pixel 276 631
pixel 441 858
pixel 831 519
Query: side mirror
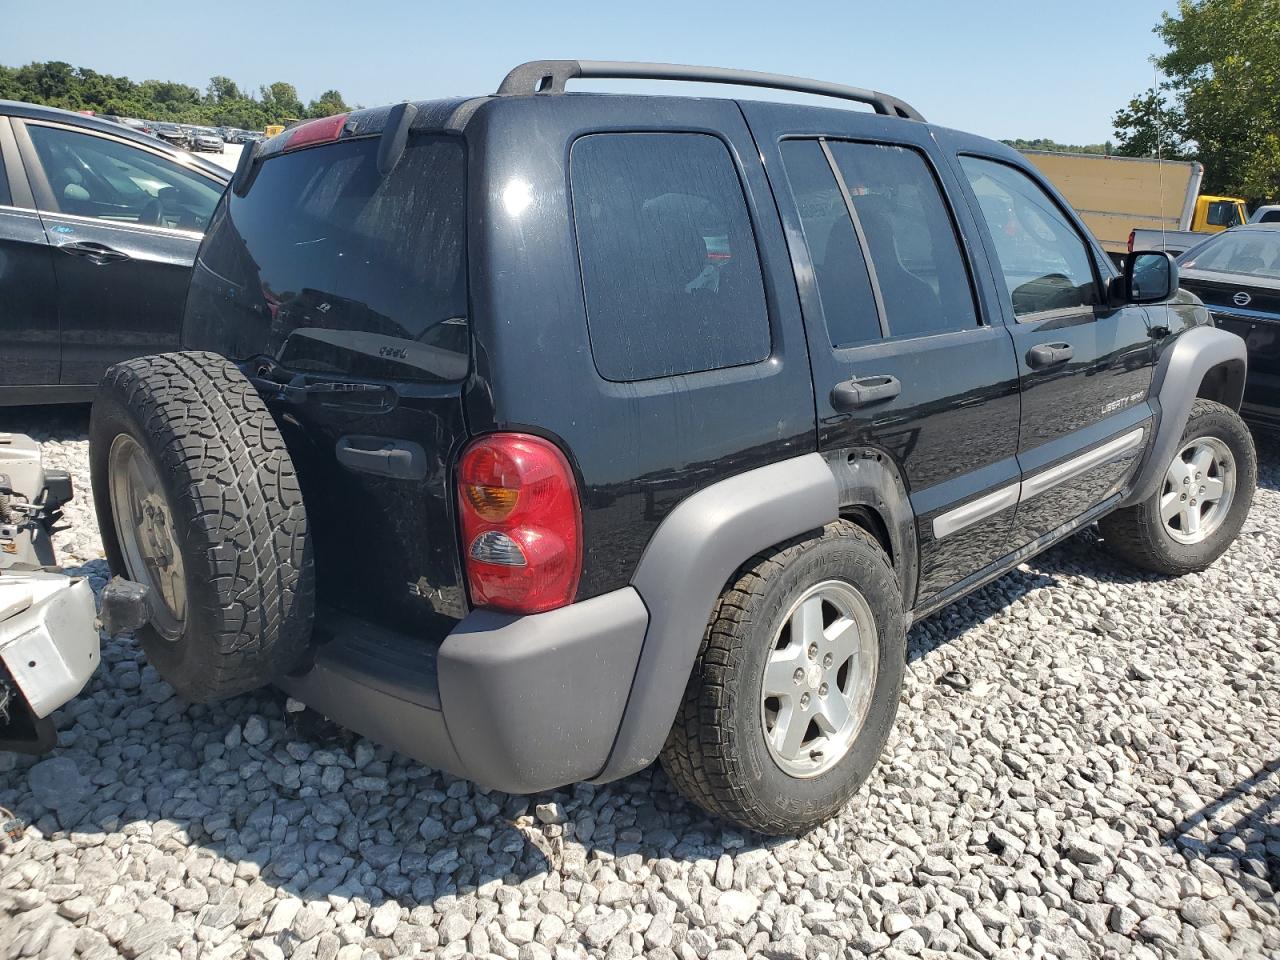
pixel 1150 277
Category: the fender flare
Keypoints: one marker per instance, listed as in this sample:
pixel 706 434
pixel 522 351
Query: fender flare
pixel 1174 388
pixel 684 568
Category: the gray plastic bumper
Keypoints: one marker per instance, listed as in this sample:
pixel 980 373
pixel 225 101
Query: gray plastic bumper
pixel 520 704
pixel 48 639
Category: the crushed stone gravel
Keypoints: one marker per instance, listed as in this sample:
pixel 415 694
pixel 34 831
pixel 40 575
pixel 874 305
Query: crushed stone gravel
pixel 1106 783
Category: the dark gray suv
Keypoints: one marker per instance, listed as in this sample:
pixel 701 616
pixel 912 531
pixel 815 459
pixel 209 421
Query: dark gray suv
pixel 541 436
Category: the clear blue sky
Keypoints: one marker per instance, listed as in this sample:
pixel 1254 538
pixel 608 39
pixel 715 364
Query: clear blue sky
pixel 1005 68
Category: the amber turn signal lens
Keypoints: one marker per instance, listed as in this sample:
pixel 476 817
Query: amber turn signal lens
pixel 491 503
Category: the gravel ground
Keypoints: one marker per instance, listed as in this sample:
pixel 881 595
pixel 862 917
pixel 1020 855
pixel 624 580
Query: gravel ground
pixel 1108 785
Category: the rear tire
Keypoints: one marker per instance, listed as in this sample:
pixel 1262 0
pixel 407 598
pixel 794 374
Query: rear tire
pixel 725 750
pixel 1157 533
pixel 221 534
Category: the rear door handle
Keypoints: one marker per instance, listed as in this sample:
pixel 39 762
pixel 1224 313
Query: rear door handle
pixel 98 253
pixel 1049 354
pixel 863 391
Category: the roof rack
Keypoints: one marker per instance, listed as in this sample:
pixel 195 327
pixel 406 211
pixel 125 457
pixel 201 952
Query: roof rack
pixel 550 76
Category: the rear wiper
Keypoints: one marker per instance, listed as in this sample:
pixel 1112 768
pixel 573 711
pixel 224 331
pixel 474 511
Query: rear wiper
pixel 298 388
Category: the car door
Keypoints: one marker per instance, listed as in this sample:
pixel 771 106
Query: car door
pixel 124 223
pixel 28 291
pixel 905 364
pixel 1084 365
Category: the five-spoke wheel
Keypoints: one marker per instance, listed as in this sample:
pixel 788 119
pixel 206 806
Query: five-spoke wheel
pixel 818 679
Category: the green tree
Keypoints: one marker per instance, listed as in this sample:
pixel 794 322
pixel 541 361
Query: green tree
pixel 280 100
pixel 1042 143
pixel 223 90
pixel 1149 127
pixel 329 103
pixel 1221 98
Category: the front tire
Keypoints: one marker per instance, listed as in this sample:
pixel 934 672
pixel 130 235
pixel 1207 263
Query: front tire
pixel 1201 504
pixel 197 498
pixel 796 685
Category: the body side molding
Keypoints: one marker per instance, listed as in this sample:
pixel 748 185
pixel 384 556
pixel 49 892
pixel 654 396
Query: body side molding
pixel 685 566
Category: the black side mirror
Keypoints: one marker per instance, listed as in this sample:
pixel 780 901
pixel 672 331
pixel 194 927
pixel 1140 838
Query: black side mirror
pixel 1150 276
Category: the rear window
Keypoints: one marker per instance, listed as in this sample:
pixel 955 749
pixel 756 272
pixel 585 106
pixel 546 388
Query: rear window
pixel 670 270
pixel 348 272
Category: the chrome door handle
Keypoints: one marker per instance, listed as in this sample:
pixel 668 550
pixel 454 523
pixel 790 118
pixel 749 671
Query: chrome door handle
pixel 98 253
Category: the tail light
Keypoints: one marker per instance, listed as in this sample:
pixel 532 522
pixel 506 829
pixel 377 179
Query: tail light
pixel 1131 233
pixel 521 523
pixel 316 131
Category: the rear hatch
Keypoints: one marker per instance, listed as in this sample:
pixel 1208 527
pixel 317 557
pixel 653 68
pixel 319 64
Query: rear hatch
pixel 343 292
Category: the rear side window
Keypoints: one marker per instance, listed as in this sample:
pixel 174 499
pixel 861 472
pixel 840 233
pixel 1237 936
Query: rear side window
pixel 5 199
pixel 670 270
pixel 350 272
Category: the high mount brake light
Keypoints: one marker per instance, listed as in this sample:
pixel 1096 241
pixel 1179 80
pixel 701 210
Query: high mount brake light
pixel 316 131
pixel 521 523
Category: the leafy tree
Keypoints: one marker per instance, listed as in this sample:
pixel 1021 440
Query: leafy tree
pixel 1220 102
pixel 281 100
pixel 223 102
pixel 1042 143
pixel 329 103
pixel 223 90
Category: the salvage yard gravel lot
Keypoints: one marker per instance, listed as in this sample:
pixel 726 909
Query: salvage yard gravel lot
pixel 1086 764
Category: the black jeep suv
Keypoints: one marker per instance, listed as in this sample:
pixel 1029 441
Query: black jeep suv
pixel 542 436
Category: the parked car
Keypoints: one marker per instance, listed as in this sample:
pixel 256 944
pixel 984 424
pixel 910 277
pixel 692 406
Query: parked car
pixel 99 227
pixel 659 420
pixel 173 134
pixel 1267 213
pixel 48 639
pixel 1237 275
pixel 207 140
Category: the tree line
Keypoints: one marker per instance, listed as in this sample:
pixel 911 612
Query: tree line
pixel 223 102
pixel 1219 101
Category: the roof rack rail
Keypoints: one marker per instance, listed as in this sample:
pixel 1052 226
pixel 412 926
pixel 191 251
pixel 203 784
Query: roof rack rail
pixel 550 76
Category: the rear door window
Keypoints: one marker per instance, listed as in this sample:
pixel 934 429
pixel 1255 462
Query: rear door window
pixel 364 274
pixel 839 267
pixel 670 271
pixel 898 244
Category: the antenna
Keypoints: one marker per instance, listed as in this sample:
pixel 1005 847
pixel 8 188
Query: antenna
pixel 1155 91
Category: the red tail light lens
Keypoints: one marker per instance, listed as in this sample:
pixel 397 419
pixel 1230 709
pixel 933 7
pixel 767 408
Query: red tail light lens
pixel 316 131
pixel 1131 241
pixel 521 523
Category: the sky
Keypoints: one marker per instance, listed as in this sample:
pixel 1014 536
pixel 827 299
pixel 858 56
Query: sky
pixel 1001 69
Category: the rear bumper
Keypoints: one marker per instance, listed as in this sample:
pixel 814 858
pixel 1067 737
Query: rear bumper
pixel 48 639
pixel 519 704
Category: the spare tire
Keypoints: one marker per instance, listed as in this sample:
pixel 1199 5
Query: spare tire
pixel 198 498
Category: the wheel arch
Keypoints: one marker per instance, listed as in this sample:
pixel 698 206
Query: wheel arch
pixel 683 571
pixel 1224 383
pixel 1203 358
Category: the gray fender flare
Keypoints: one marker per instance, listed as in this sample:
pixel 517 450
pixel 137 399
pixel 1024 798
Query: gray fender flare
pixel 688 561
pixel 1174 387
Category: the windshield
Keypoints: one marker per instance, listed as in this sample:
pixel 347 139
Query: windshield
pixel 324 251
pixel 1251 253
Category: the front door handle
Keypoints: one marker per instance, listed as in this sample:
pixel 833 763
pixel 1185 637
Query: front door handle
pixel 1049 354
pixel 98 253
pixel 862 391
